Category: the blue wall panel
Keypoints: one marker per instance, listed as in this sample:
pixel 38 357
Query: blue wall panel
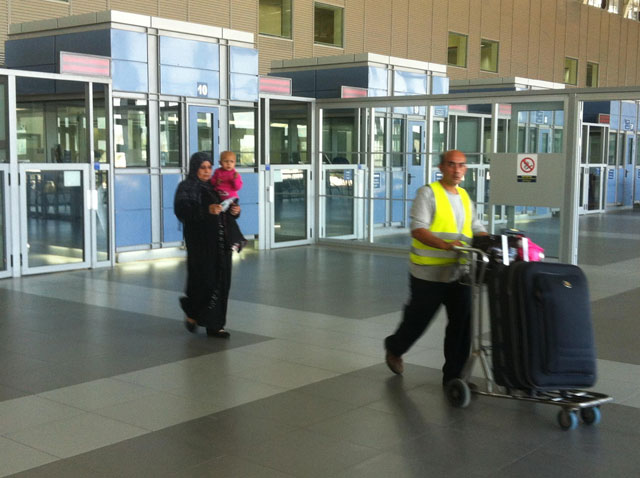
pixel 129 76
pixel 93 43
pixel 29 52
pixel 175 80
pixel 397 194
pixel 301 81
pixel 243 87
pixel 378 78
pixel 127 45
pixel 243 60
pixel 132 209
pixel 249 198
pixel 189 53
pixel 439 85
pixel 408 82
pixel 336 77
pixel 171 227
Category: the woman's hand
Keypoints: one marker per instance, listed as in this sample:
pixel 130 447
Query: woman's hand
pixel 215 209
pixel 235 210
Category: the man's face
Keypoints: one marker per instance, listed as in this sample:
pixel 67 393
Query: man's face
pixel 228 162
pixel 453 168
pixel 204 172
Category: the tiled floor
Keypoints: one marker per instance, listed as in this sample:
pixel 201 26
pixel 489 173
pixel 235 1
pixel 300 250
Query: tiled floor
pixel 99 378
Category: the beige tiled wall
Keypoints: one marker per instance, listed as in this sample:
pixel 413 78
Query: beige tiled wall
pixel 535 35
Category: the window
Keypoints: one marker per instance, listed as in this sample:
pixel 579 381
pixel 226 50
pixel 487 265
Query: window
pixel 328 24
pixel 489 55
pixel 131 134
pixel 570 71
pixel 170 134
pixel 457 51
pixel 275 18
pixel 592 75
pixel 242 135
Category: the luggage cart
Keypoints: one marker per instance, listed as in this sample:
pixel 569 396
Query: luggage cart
pixel 572 403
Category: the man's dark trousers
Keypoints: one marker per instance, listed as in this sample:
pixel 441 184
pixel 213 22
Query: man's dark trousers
pixel 426 297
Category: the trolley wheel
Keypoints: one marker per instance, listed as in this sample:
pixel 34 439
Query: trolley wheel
pixel 591 415
pixel 567 419
pixel 458 393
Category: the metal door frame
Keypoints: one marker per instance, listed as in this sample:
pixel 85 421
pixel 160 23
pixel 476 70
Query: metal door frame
pixel 627 169
pixel 409 162
pixel 4 169
pixel 88 252
pixel 266 207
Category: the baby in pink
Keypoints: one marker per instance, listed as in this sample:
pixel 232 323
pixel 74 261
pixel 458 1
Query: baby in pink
pixel 226 179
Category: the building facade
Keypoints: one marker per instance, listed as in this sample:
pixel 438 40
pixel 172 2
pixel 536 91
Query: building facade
pixel 576 42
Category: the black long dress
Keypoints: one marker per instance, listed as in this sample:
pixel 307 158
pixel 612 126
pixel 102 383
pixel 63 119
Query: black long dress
pixel 208 250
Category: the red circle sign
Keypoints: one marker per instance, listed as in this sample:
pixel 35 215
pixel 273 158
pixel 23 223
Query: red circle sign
pixel 527 165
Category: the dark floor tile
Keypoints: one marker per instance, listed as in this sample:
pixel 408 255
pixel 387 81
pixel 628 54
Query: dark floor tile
pixel 230 466
pixel 615 322
pixel 60 469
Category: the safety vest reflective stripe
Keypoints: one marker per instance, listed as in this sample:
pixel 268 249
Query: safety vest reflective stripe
pixel 445 227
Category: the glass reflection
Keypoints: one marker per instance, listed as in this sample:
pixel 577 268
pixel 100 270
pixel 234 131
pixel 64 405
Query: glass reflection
pixel 339 203
pixel 290 207
pixel 55 217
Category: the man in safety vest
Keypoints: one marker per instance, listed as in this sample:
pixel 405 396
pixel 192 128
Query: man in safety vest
pixel 442 217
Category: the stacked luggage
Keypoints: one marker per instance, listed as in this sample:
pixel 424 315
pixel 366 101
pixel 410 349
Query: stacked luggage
pixel 542 342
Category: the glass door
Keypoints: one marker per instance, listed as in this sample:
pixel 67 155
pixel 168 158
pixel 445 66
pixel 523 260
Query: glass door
pixel 203 131
pixel 626 171
pixel 416 163
pixel 290 205
pixel 5 262
pixel 55 220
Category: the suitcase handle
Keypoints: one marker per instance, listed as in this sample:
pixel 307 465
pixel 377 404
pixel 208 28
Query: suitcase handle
pixel 479 262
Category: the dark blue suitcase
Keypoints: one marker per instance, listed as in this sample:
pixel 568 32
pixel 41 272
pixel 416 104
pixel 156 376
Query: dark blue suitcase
pixel 552 340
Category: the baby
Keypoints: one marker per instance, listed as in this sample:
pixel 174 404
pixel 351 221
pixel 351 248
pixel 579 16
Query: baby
pixel 227 182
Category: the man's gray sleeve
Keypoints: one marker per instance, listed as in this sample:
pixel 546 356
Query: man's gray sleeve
pixel 422 209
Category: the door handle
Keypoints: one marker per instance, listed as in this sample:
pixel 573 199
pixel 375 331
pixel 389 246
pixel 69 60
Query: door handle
pixel 409 176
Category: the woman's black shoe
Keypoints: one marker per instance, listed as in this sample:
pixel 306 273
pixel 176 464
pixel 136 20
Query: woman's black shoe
pixel 190 326
pixel 221 334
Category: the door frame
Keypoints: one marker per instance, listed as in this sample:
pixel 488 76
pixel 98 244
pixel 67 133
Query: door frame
pixel 4 169
pixel 88 252
pixel 266 235
pixel 409 195
pixel 627 168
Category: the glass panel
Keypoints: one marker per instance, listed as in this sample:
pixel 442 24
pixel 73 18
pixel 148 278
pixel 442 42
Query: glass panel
pixel 102 215
pixel 613 143
pixel 379 141
pixel 502 135
pixel 489 55
pixel 55 218
pixel 592 75
pixel 339 136
pixel 328 24
pixel 339 203
pixel 100 132
pixel 205 131
pixel 457 50
pixel 4 146
pixel 288 133
pixel 594 201
pixel 416 145
pixel 52 132
pixel 3 229
pixel 439 137
pixel 469 133
pixel 637 151
pixel 170 141
pixel 242 135
pixel 275 18
pixel 397 142
pixel 290 207
pixel 131 133
pixel 596 145
pixel 570 71
pixel 558 136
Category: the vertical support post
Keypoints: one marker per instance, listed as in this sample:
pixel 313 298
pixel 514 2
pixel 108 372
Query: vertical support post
pixel 568 250
pixel 370 167
pixel 14 189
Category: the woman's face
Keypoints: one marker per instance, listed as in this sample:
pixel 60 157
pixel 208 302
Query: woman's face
pixel 204 172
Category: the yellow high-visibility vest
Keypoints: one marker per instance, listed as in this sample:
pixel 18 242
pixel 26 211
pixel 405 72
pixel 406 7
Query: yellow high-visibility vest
pixel 445 227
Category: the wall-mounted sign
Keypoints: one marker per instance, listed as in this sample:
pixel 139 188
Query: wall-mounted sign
pixel 275 86
pixel 353 92
pixel 527 165
pixel 80 64
pixel 202 90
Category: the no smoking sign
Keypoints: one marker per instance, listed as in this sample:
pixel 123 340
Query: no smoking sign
pixel 527 168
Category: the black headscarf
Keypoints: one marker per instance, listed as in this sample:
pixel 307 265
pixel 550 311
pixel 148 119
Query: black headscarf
pixel 193 192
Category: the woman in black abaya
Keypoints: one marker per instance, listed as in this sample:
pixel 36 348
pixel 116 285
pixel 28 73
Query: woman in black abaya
pixel 197 206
